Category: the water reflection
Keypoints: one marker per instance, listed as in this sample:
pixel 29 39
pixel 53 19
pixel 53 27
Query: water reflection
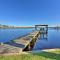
pixel 43 36
pixel 48 41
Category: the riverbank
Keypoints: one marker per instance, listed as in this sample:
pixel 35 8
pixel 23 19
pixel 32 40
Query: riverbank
pixel 51 54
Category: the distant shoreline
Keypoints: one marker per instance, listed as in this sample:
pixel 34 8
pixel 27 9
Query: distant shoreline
pixel 15 27
pixel 6 26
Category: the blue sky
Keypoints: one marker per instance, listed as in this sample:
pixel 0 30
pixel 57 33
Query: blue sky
pixel 29 12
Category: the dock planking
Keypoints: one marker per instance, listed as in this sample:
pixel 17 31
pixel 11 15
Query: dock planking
pixel 21 44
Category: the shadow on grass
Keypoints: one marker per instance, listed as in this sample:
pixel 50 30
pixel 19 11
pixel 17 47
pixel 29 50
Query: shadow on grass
pixel 49 55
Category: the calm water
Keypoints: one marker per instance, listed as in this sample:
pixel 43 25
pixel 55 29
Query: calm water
pixel 10 34
pixel 50 40
pixel 45 41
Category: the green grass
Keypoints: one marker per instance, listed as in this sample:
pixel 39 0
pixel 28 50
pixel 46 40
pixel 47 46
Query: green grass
pixel 52 55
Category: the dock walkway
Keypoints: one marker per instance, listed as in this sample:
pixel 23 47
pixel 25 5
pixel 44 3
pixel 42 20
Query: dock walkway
pixel 20 44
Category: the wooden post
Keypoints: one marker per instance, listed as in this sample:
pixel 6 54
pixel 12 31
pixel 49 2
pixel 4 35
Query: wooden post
pixel 29 48
pixel 35 27
pixel 1 43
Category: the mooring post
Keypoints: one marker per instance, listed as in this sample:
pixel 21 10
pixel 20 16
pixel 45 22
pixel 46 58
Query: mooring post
pixel 29 47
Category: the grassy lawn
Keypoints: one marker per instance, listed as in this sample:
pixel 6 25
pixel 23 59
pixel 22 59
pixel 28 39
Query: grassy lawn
pixel 52 55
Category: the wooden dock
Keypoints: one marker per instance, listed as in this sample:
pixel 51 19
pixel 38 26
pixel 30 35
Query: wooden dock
pixel 21 44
